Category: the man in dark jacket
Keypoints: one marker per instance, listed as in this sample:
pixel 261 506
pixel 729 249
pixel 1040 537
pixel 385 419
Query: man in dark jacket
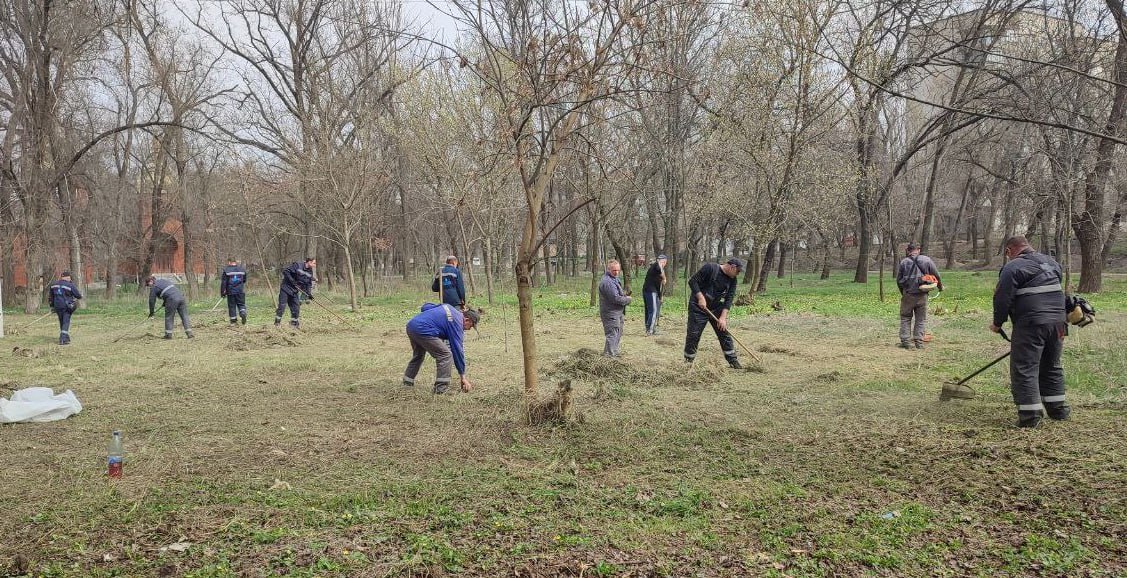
pixel 174 303
pixel 612 308
pixel 712 288
pixel 64 301
pixel 1030 294
pixel 913 300
pixel 651 292
pixel 429 332
pixel 232 285
pixel 297 282
pixel 449 284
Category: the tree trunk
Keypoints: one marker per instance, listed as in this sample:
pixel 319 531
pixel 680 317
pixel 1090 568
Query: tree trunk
pixel 765 270
pixel 350 274
pixel 953 238
pixel 782 272
pixel 487 252
pixel 594 261
pixel 825 258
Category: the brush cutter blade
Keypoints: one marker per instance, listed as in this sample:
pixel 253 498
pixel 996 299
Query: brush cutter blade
pixel 956 391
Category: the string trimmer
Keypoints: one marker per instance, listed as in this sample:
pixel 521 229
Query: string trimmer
pixel 959 389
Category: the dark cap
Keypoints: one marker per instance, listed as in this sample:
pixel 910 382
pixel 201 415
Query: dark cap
pixel 65 274
pixel 739 265
pixel 660 257
pixel 913 246
pixel 473 315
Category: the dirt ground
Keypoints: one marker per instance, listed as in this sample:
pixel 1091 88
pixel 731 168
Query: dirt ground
pixel 263 452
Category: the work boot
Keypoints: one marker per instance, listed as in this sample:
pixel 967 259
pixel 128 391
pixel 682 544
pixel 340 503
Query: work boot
pixel 919 345
pixel 277 323
pixel 1059 411
pixel 1028 419
pixel 408 382
pixel 234 322
pixel 189 334
pixel 244 318
pixel 295 324
pixel 905 345
pixel 688 361
pixel 735 364
pixel 441 388
pixel 168 336
pixel 62 341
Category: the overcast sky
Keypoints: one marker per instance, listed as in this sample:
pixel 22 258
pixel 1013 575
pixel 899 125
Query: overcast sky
pixel 433 21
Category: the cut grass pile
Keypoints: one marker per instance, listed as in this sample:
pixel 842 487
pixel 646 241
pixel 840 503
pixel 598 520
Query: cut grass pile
pixel 254 451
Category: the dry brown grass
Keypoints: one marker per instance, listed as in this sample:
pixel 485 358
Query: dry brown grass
pixel 272 452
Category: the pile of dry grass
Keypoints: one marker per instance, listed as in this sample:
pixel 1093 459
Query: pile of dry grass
pixel 591 366
pixel 261 339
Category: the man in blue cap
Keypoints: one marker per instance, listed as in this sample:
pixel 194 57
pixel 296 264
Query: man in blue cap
pixel 64 300
pixel 712 288
pixel 651 292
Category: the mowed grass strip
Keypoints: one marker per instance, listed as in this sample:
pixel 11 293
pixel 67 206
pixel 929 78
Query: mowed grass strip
pixel 261 452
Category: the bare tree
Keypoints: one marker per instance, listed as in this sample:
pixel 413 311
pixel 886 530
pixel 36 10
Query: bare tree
pixel 544 62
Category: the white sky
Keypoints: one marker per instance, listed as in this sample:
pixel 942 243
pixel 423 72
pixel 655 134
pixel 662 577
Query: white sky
pixel 433 22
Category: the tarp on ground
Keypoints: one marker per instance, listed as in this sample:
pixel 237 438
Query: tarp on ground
pixel 37 404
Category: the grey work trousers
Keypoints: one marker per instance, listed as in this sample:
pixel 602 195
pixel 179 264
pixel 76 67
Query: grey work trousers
pixel 913 305
pixel 171 309
pixel 1036 374
pixel 421 345
pixel 612 328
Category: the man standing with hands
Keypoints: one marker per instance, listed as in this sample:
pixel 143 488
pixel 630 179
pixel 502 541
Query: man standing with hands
pixel 651 292
pixel 612 308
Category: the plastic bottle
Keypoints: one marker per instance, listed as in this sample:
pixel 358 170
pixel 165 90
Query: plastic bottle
pixel 116 456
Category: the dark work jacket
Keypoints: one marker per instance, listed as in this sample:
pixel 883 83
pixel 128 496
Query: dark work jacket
pixel 297 280
pixel 1029 291
pixel 64 296
pixel 453 288
pixel 718 289
pixel 234 280
pixel 164 290
pixel 653 279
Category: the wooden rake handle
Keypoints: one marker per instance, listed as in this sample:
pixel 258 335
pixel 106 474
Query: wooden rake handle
pixel 730 334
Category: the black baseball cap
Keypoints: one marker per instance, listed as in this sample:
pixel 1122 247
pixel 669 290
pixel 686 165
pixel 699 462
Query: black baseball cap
pixel 739 265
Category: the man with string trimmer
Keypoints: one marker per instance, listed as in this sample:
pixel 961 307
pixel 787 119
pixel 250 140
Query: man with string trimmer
pixel 915 276
pixel 1030 293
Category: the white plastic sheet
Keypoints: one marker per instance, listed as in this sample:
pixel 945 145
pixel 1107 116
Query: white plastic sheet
pixel 38 404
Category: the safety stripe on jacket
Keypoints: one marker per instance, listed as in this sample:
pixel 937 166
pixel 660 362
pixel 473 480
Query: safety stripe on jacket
pixel 1038 290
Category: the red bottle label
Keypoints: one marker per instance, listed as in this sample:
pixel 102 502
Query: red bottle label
pixel 114 470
